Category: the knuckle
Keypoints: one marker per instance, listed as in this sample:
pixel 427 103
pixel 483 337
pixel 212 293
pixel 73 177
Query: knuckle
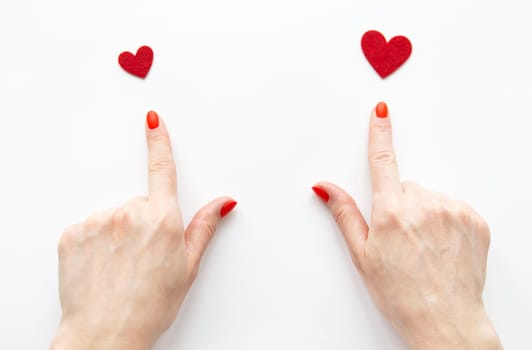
pixel 391 210
pixel 68 238
pixel 463 215
pixel 207 226
pixel 483 228
pixel 161 165
pixel 96 220
pixel 381 129
pixel 462 211
pixel 341 214
pixel 121 218
pixel 485 232
pixel 439 209
pixel 162 139
pixel 383 158
pixel 433 206
pixel 482 224
pixel 168 224
pixel 450 215
pixel 201 223
pixel 388 217
pixel 394 219
pixel 434 211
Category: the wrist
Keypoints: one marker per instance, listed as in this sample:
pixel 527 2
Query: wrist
pixel 69 337
pixel 472 331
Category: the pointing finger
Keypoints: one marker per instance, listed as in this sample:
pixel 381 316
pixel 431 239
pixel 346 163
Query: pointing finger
pixel 161 166
pixel 382 159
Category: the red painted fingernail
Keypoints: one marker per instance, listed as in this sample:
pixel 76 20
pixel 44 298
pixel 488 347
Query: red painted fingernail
pixel 381 110
pixel 152 119
pixel 227 208
pixel 320 192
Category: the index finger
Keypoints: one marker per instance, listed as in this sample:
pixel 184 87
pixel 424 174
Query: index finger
pixel 162 180
pixel 381 155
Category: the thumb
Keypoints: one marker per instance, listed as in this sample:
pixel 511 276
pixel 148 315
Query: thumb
pixel 201 229
pixel 348 217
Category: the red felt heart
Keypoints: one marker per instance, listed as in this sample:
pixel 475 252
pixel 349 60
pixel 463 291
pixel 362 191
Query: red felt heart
pixel 385 57
pixel 139 65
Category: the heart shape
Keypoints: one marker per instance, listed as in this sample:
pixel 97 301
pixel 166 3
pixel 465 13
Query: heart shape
pixel 385 57
pixel 139 65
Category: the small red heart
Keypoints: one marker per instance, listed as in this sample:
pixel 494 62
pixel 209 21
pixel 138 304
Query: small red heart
pixel 385 57
pixel 139 65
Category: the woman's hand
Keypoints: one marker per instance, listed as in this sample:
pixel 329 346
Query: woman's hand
pixel 423 256
pixel 123 273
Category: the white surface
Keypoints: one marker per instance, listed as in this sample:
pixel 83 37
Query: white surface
pixel 262 99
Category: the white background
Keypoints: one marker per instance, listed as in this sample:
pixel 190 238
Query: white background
pixel 262 99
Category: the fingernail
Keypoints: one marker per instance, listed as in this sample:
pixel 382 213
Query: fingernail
pixel 152 119
pixel 320 192
pixel 381 110
pixel 227 208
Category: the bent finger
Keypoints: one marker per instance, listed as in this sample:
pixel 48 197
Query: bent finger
pixel 347 216
pixel 203 225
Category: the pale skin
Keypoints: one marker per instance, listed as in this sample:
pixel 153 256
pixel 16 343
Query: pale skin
pixel 422 255
pixel 125 272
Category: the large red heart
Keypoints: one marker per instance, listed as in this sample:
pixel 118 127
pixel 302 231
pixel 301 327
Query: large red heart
pixel 385 57
pixel 139 65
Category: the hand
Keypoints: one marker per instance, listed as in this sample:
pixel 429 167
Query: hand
pixel 123 273
pixel 423 256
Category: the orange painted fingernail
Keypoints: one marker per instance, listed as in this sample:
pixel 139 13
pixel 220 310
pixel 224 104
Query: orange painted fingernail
pixel 227 208
pixel 320 192
pixel 152 119
pixel 381 110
